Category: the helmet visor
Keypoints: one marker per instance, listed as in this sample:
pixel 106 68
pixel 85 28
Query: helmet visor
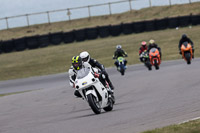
pixel 75 64
pixel 85 59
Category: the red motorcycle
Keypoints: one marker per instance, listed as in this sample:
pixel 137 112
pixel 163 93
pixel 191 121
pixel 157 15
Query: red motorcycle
pixel 186 50
pixel 154 56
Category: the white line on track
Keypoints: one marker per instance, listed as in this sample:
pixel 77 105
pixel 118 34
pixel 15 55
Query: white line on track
pixel 190 120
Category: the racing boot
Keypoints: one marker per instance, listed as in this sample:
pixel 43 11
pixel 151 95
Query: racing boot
pixel 111 85
pixel 111 94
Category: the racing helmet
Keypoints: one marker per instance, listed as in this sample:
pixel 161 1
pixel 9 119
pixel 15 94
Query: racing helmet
pixel 77 62
pixel 118 47
pixel 144 44
pixel 85 56
pixel 184 36
pixel 151 41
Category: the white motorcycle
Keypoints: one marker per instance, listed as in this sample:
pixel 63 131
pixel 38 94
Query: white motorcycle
pixel 93 91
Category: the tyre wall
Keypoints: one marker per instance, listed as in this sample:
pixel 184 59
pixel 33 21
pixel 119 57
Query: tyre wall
pixel 68 37
pixel 79 35
pixel 32 42
pixel 44 40
pixel 56 38
pixel 20 44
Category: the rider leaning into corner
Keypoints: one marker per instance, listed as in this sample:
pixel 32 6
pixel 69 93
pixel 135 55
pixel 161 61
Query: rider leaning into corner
pixel 94 63
pixel 119 52
pixel 78 64
pixel 183 39
pixel 152 44
pixel 142 49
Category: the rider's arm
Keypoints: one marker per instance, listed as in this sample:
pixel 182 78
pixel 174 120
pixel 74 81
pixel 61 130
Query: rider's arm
pixel 72 77
pixel 97 64
pixel 180 43
pixel 190 41
pixel 140 51
pixel 115 55
pixel 124 53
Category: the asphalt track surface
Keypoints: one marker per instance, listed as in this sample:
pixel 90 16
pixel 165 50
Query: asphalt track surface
pixel 144 100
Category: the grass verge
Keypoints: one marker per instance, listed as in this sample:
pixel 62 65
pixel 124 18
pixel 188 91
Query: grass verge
pixel 188 127
pixel 1 95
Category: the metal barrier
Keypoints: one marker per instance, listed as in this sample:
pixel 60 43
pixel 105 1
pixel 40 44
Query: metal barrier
pixel 81 12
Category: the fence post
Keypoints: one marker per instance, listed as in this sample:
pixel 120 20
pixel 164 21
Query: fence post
pixel 190 1
pixel 49 21
pixel 89 11
pixel 27 19
pixel 130 5
pixel 149 3
pixel 68 13
pixel 170 3
pixel 7 23
pixel 110 8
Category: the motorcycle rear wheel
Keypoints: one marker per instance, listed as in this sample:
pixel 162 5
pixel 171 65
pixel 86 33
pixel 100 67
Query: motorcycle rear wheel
pixel 94 104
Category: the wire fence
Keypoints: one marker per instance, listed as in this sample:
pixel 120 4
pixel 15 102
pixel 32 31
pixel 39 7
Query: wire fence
pixel 83 12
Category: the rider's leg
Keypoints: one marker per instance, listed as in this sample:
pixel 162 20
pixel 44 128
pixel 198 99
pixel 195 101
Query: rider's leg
pixel 193 53
pixel 116 64
pixel 108 80
pixel 141 59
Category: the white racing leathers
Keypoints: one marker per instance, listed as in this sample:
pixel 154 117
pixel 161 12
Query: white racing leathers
pixel 92 90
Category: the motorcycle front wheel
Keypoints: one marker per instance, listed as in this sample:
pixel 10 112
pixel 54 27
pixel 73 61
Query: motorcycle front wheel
pixel 156 65
pixel 110 105
pixel 188 57
pixel 94 104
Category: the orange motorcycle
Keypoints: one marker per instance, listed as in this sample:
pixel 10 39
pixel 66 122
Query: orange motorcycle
pixel 186 50
pixel 154 56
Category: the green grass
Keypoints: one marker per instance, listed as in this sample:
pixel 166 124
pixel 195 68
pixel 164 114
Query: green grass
pixel 57 59
pixel 188 127
pixel 1 95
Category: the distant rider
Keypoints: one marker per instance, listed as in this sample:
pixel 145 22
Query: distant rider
pixel 183 39
pixel 94 63
pixel 152 44
pixel 119 52
pixel 142 49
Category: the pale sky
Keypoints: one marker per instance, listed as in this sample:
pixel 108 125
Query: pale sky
pixel 20 7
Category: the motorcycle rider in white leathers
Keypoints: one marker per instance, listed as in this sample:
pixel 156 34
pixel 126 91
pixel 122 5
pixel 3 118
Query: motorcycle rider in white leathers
pixel 78 64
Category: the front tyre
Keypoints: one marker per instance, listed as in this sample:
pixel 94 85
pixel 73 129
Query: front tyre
pixel 188 57
pixel 110 105
pixel 94 104
pixel 122 70
pixel 156 65
pixel 148 65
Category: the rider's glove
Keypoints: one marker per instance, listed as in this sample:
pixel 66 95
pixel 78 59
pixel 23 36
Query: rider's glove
pixel 96 75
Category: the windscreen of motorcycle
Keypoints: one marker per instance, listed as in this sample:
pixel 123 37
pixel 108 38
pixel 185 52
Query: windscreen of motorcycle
pixel 82 73
pixel 153 50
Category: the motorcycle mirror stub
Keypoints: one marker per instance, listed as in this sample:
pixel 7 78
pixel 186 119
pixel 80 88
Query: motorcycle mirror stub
pixel 93 79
